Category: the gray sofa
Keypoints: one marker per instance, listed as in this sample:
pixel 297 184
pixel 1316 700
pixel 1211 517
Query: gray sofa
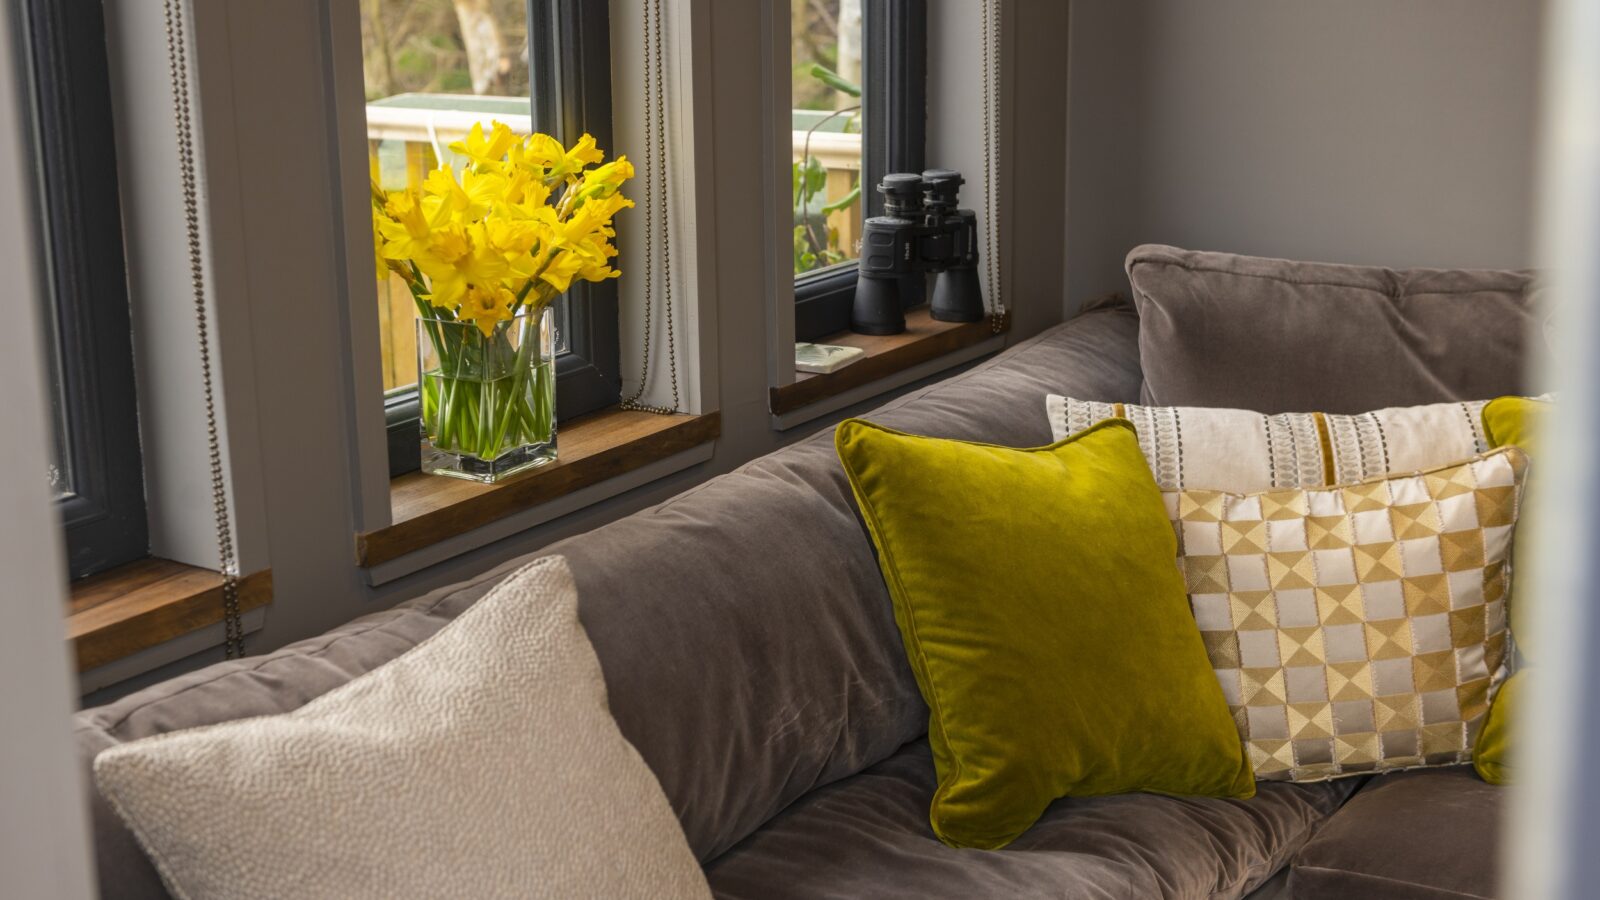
pixel 751 656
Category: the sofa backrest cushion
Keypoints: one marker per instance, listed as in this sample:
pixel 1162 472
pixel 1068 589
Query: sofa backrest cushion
pixel 747 637
pixel 1218 329
pixel 747 640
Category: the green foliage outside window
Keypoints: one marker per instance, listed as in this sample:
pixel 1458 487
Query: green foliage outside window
pixel 816 245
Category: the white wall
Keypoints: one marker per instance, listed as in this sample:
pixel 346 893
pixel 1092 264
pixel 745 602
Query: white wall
pixel 1384 132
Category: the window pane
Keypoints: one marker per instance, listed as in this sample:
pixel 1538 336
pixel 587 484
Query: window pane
pixel 434 68
pixel 95 468
pixel 825 47
pixel 59 470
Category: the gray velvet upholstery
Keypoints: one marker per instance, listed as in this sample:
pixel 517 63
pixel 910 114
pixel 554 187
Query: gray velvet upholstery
pixel 1431 834
pixel 1217 329
pixel 751 656
pixel 868 836
pixel 746 636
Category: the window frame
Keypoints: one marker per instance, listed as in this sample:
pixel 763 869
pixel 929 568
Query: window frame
pixel 894 108
pixel 91 342
pixel 569 86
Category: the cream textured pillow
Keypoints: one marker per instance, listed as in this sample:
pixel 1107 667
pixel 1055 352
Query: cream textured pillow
pixel 482 763
pixel 1361 628
pixel 1242 451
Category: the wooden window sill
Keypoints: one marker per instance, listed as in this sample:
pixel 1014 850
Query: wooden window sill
pixel 137 606
pixel 430 509
pixel 924 340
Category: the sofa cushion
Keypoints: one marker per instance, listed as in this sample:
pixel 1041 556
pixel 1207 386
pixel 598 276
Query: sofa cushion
pixel 868 836
pixel 1494 755
pixel 1356 628
pixel 1525 423
pixel 747 641
pixel 1242 450
pixel 1424 835
pixel 1045 624
pixel 1216 329
pixel 489 744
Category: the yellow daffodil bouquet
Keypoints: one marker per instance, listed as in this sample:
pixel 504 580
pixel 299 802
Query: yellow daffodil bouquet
pixel 485 253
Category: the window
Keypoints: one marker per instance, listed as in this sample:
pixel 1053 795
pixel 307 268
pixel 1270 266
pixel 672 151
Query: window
pixel 859 105
pixel 96 471
pixel 433 69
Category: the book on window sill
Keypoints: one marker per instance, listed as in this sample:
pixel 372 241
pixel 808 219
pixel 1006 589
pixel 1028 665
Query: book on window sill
pixel 820 359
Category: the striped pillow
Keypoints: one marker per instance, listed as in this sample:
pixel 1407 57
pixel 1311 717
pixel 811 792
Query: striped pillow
pixel 1241 451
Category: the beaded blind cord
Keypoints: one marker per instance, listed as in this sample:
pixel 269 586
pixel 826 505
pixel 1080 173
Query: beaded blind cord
pixel 991 160
pixel 656 191
pixel 178 66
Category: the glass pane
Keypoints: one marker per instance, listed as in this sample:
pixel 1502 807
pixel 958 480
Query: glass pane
pixel 59 468
pixel 825 47
pixel 434 68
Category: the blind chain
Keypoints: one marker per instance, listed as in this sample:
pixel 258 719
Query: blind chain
pixel 991 160
pixel 178 67
pixel 656 194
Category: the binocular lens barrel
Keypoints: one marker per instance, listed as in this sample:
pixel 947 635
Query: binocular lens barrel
pixel 941 187
pixel 902 195
pixel 877 307
pixel 957 296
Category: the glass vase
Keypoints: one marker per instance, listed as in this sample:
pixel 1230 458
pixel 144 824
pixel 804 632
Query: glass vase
pixel 488 398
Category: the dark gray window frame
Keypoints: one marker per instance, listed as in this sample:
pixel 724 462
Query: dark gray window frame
pixel 894 108
pixel 569 58
pixel 90 341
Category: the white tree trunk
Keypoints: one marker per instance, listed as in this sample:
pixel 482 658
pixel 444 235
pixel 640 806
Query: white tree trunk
pixel 849 48
pixel 480 36
pixel 380 65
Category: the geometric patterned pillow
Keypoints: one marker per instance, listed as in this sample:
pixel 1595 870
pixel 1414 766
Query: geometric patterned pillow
pixel 1360 628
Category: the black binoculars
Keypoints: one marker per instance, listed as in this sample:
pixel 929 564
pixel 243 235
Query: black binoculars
pixel 921 231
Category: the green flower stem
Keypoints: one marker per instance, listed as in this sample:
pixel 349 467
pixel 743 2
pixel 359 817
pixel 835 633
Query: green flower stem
pixel 453 390
pixel 542 416
pixel 544 396
pixel 466 409
pixel 425 313
pixel 520 370
pixel 447 413
pixel 532 415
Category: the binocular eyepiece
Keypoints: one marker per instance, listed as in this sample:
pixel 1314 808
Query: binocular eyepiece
pixel 921 231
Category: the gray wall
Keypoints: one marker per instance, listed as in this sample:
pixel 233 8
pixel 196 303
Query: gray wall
pixel 1383 132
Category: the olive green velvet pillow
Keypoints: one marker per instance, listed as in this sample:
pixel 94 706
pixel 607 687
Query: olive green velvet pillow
pixel 1493 754
pixel 1045 619
pixel 1516 422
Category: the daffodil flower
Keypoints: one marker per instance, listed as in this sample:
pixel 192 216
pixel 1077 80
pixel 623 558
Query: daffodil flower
pixel 589 224
pixel 604 181
pixel 469 199
pixel 485 306
pixel 377 249
pixel 559 162
pixel 486 151
pixel 407 225
pixel 460 256
pixel 562 269
pixel 515 240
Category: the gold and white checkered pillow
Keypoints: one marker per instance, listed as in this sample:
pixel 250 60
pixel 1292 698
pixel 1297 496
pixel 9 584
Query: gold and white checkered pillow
pixel 1359 628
